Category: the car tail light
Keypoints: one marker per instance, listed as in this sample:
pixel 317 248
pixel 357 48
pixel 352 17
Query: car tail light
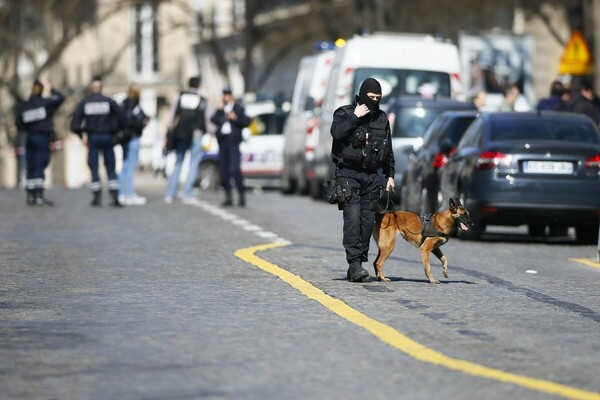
pixel 439 161
pixel 491 159
pixel 593 161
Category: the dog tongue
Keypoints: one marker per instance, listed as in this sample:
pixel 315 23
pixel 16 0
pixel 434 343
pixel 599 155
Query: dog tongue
pixel 464 227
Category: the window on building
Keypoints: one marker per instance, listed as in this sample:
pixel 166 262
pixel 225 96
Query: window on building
pixel 146 39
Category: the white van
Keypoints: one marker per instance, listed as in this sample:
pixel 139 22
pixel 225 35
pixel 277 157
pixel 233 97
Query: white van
pixel 309 89
pixel 404 64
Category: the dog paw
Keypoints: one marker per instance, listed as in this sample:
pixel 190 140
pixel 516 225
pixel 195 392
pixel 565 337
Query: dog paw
pixel 383 279
pixel 446 274
pixel 434 281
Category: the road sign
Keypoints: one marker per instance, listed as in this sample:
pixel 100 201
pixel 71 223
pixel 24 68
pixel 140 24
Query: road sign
pixel 576 58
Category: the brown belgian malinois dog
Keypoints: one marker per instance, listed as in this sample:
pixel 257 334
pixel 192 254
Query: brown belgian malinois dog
pixel 426 233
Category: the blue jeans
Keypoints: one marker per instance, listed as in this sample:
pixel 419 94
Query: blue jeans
pixel 180 150
pixel 130 161
pixel 196 153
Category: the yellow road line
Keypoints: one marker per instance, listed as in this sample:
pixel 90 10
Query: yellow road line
pixel 394 338
pixel 586 261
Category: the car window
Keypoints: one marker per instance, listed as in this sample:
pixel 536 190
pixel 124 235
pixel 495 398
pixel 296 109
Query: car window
pixel 395 82
pixel 472 135
pixel 433 131
pixel 268 124
pixel 457 128
pixel 507 130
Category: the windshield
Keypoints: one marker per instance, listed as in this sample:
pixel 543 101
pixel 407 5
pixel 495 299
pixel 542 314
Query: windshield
pixel 548 130
pixel 395 82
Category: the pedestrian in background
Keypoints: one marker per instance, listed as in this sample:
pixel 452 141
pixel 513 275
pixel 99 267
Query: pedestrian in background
pixel 100 117
pixel 362 146
pixel 136 121
pixel 186 123
pixel 196 151
pixel 554 100
pixel 230 119
pixel 582 101
pixel 511 94
pixel 34 119
pixel 479 99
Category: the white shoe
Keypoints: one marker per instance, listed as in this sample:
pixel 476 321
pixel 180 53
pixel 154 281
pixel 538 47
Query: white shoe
pixel 169 200
pixel 137 201
pixel 190 200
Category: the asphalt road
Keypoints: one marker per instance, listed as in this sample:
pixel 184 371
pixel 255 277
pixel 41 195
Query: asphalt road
pixel 199 302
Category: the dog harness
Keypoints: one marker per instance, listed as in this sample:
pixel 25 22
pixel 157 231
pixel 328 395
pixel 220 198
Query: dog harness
pixel 428 228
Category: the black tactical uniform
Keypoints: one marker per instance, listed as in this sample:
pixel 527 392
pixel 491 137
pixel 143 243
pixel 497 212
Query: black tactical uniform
pixel 361 150
pixel 100 117
pixel 34 119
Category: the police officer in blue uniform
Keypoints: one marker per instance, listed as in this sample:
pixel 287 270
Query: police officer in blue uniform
pixel 34 119
pixel 100 117
pixel 361 150
pixel 230 119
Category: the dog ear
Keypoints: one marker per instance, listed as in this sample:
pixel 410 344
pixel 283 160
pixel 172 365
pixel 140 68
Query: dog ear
pixel 452 204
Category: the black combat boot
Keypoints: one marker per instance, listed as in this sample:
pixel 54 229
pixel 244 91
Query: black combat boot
pixel 242 198
pixel 97 201
pixel 228 202
pixel 41 200
pixel 114 198
pixel 31 197
pixel 356 273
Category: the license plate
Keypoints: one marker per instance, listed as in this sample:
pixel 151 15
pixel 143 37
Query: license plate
pixel 547 167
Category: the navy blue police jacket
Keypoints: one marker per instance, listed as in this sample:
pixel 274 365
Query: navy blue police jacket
pixel 242 121
pixel 35 114
pixel 98 114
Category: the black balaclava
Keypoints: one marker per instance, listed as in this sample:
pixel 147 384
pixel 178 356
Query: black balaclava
pixel 369 85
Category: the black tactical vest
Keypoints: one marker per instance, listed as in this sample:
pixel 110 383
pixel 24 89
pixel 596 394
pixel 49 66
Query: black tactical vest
pixel 368 148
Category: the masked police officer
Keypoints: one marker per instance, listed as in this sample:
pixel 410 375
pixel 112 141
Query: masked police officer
pixel 100 117
pixel 34 119
pixel 361 149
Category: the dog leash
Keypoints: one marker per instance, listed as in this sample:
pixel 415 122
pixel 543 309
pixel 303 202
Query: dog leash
pixel 388 200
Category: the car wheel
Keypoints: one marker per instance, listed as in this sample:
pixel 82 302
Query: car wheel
pixel 208 176
pixel 316 189
pixel 537 229
pixel 439 200
pixel 429 203
pixel 425 209
pixel 287 184
pixel 587 234
pixel 475 230
pixel 403 198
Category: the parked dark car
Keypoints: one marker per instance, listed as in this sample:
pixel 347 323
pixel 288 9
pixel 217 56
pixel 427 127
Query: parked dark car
pixel 420 188
pixel 536 169
pixel 409 117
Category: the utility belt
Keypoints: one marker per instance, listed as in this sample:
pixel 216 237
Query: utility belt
pixel 339 190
